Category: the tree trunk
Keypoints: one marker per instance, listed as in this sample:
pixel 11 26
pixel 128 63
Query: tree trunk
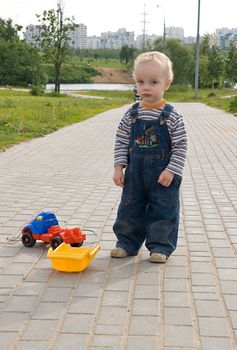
pixel 212 85
pixel 57 78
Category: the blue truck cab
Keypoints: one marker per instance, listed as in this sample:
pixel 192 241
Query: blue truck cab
pixel 41 223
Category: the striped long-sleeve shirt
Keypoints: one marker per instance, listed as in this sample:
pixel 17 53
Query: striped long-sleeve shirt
pixel 176 129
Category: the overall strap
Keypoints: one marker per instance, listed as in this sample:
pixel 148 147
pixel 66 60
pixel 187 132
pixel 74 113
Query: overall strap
pixel 134 111
pixel 164 114
pixel 166 111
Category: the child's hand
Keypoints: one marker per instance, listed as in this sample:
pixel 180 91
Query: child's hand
pixel 165 178
pixel 118 176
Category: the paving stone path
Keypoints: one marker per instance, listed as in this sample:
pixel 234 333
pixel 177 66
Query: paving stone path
pixel 126 304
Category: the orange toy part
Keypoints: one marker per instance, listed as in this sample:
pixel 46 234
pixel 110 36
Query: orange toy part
pixel 68 235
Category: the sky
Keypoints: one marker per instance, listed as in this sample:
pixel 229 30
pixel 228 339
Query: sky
pixel 110 15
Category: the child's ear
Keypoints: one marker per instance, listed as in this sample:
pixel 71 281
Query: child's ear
pixel 167 84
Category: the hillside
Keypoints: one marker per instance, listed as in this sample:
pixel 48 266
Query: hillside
pixel 112 76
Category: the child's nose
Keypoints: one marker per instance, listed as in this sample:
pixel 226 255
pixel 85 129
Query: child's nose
pixel 146 86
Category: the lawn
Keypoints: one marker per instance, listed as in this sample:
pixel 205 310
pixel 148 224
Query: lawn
pixel 98 63
pixel 24 117
pixel 218 98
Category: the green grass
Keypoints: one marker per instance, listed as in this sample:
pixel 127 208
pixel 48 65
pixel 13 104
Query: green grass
pixel 24 117
pixel 220 99
pixel 108 93
pixel 72 73
pixel 77 70
pixel 98 63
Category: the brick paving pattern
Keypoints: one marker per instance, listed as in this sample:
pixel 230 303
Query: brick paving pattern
pixel 189 303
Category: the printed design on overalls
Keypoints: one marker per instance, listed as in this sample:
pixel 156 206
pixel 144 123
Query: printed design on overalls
pixel 149 138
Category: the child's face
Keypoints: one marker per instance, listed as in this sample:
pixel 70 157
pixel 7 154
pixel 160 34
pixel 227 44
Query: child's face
pixel 151 82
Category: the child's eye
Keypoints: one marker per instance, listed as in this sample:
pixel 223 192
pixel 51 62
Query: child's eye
pixel 154 82
pixel 140 81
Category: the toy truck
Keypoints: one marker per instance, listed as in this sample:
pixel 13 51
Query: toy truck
pixel 45 227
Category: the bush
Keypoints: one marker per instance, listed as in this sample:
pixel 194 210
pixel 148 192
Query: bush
pixel 37 90
pixel 233 105
pixel 211 94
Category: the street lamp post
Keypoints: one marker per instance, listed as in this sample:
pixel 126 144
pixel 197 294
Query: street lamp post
pixel 197 53
pixel 164 28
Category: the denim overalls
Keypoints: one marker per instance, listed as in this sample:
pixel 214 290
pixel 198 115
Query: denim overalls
pixel 148 211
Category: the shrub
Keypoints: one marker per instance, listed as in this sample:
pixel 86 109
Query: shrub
pixel 37 90
pixel 211 94
pixel 233 105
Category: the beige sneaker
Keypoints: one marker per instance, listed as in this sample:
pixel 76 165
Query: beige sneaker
pixel 158 258
pixel 118 253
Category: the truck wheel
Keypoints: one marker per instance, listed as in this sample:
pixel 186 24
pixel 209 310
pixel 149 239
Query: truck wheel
pixel 76 244
pixel 56 241
pixel 27 239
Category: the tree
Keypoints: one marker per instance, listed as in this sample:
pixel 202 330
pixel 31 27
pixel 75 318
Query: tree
pixel 181 57
pixel 203 71
pixel 216 66
pixel 55 39
pixel 213 64
pixel 7 30
pixel 20 64
pixel 205 45
pixel 231 66
pixel 126 54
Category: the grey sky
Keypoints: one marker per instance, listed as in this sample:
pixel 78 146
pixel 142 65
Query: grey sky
pixel 107 15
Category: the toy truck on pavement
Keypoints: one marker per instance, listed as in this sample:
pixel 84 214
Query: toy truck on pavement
pixel 45 227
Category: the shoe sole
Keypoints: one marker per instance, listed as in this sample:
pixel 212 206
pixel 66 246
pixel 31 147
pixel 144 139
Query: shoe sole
pixel 158 260
pixel 118 253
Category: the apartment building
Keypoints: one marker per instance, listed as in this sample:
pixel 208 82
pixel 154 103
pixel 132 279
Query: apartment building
pixel 116 40
pixel 226 37
pixel 32 32
pixel 93 42
pixel 174 32
pixel 79 37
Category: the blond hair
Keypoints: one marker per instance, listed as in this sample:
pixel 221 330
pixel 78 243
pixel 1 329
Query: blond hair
pixel 159 57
